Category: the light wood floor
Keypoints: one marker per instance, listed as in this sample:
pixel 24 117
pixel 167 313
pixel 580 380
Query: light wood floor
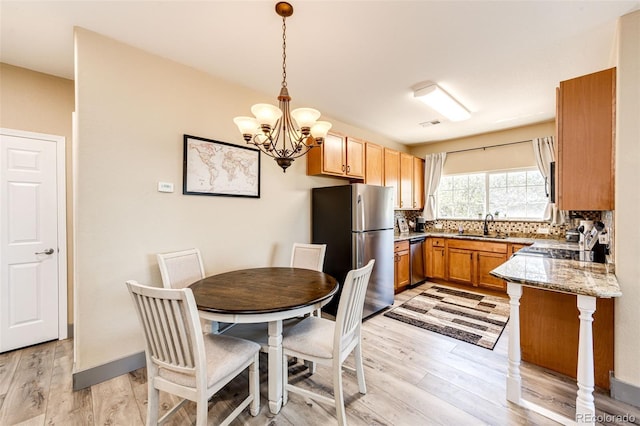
pixel 414 377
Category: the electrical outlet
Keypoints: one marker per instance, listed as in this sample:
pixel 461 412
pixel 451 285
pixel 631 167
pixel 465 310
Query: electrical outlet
pixel 603 238
pixel 438 226
pixel 543 230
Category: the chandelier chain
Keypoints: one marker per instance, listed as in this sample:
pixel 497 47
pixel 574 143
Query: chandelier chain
pixel 284 52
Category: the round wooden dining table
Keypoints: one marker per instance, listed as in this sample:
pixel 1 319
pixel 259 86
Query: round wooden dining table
pixel 261 295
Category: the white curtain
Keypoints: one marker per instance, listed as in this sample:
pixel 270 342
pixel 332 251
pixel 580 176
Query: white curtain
pixel 432 174
pixel 544 153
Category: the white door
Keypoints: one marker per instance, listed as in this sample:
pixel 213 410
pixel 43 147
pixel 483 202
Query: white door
pixel 29 251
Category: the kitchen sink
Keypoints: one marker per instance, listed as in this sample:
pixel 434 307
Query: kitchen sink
pixel 499 237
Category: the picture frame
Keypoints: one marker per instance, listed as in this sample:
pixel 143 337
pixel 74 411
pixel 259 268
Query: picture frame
pixel 216 168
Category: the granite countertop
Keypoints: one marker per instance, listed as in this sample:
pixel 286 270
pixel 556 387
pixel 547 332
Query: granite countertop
pixel 476 237
pixel 567 276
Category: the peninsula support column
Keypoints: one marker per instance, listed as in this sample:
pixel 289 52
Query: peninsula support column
pixel 514 380
pixel 585 406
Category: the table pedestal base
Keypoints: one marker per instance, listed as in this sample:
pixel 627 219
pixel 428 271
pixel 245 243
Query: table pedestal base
pixel 585 407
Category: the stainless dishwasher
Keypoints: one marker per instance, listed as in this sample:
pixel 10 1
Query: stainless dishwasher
pixel 416 261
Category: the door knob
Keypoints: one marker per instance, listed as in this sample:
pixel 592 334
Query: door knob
pixel 47 251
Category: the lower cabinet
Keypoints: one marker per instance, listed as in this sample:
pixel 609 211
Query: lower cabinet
pixel 486 262
pixel 461 265
pixel 469 262
pixel 434 258
pixel 402 272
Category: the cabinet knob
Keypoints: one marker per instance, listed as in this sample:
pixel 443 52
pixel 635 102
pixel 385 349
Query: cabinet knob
pixel 348 169
pixel 343 168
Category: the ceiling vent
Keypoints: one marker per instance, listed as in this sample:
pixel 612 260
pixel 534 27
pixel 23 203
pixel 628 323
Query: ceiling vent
pixel 429 123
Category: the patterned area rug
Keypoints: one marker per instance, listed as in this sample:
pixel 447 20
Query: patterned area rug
pixel 464 315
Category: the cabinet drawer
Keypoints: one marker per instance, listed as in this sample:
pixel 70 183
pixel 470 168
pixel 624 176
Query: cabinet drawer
pixel 401 245
pixel 478 245
pixel 437 242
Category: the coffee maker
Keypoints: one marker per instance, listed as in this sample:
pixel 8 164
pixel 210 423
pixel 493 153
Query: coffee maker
pixel 420 224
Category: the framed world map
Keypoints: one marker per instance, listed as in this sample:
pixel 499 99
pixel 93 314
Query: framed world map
pixel 218 168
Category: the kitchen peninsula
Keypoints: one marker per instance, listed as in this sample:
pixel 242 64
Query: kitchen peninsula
pixel 587 281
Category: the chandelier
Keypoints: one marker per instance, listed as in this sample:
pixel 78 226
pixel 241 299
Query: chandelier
pixel 272 129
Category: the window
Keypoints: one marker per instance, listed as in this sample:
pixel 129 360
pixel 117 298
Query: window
pixel 515 194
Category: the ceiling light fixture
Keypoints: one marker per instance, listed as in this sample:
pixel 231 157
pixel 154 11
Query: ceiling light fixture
pixel 272 129
pixel 435 97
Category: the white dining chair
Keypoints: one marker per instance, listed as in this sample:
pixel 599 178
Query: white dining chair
pixel 179 269
pixel 183 361
pixel 328 343
pixel 308 256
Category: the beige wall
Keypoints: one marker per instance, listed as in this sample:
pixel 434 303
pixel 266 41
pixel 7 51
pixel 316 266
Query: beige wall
pixel 132 111
pixel 627 332
pixel 41 103
pixel 498 158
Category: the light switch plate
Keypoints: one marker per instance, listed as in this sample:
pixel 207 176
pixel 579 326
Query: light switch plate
pixel 165 187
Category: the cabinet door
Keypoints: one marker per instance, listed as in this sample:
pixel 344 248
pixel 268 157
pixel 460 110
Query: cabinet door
pixel 485 263
pixel 418 183
pixel 402 271
pixel 585 142
pixel 515 247
pixel 461 265
pixel 406 181
pixel 374 164
pixel 355 158
pixel 438 263
pixel 333 154
pixel 392 174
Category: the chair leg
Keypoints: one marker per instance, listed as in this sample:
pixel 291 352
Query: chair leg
pixel 360 369
pixel 338 394
pixel 254 385
pixel 153 403
pixel 202 411
pixel 285 379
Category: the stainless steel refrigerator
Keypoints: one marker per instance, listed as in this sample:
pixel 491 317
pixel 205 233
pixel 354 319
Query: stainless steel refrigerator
pixel 356 223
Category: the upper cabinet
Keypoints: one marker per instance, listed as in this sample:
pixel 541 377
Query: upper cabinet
pixel 392 174
pixel 406 181
pixel 418 183
pixel 585 126
pixel 374 164
pixel 339 155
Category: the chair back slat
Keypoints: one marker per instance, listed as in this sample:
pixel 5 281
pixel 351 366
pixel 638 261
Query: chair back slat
pixel 351 304
pixel 181 268
pixel 169 326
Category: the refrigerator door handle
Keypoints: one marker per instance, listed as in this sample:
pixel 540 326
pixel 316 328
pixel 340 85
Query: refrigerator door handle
pixel 359 213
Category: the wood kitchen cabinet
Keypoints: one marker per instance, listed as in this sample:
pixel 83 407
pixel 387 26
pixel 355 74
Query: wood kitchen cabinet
pixel 402 272
pixel 461 265
pixel 392 174
pixel 374 164
pixel 434 258
pixel 406 181
pixel 339 155
pixel 486 262
pixel 418 183
pixel 469 262
pixel 549 331
pixel 585 126
pixel 514 247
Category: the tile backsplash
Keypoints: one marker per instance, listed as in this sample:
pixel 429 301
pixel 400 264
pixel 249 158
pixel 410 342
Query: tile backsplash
pixel 515 228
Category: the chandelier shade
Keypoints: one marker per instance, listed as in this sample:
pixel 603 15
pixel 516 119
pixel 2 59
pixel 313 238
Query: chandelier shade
pixel 277 131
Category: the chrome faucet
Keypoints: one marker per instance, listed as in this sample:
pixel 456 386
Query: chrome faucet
pixel 485 230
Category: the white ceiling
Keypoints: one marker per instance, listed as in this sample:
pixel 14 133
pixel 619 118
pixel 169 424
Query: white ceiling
pixel 355 60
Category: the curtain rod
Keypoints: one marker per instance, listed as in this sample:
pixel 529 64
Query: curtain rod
pixel 490 146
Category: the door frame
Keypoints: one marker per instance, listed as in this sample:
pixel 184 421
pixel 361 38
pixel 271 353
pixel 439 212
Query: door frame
pixel 61 191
